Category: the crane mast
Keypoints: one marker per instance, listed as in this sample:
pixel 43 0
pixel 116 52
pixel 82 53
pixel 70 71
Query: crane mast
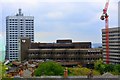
pixel 105 17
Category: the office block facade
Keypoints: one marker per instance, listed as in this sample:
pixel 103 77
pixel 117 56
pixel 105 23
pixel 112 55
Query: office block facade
pixel 16 27
pixel 66 52
pixel 114 45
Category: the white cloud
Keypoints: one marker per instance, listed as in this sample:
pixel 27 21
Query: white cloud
pixel 0 35
pixel 30 1
pixel 27 4
pixel 55 11
pixel 55 15
pixel 60 33
pixel 19 1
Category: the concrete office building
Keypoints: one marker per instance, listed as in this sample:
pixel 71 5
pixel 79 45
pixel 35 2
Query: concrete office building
pixel 16 27
pixel 66 52
pixel 114 45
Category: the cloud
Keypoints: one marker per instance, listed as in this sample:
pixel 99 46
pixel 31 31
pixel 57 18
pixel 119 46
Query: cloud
pixel 21 1
pixel 0 35
pixel 2 41
pixel 30 1
pixel 55 15
pixel 50 36
pixel 79 22
pixel 76 19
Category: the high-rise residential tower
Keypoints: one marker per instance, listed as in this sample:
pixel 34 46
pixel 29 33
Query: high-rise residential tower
pixel 16 27
pixel 114 45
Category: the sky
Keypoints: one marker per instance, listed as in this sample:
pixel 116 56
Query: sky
pixel 78 20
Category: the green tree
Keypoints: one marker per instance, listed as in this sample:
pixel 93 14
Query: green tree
pixel 3 69
pixel 109 68
pixel 0 70
pixel 98 65
pixel 82 71
pixel 49 68
pixel 117 69
pixel 102 68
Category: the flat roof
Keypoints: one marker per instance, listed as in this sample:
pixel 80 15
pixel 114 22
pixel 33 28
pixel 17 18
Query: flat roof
pixel 89 49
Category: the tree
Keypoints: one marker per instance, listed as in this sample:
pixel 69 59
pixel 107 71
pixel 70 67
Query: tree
pixel 99 66
pixel 102 68
pixel 98 63
pixel 117 69
pixel 0 70
pixel 109 67
pixel 81 71
pixel 3 69
pixel 49 68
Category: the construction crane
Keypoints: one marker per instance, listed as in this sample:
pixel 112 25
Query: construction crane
pixel 105 17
